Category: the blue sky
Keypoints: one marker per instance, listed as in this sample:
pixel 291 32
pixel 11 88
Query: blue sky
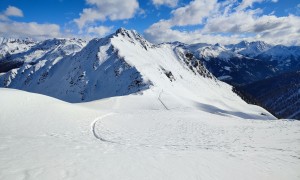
pixel 188 21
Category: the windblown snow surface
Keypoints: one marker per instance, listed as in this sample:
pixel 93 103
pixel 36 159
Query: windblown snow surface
pixel 139 136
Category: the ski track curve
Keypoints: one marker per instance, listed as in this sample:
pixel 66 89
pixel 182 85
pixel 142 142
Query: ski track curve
pixel 93 125
pixel 140 144
pixel 185 135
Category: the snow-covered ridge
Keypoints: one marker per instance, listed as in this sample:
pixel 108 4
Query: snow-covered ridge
pixel 13 46
pixel 244 49
pixel 132 36
pixel 67 46
pixel 245 62
pixel 250 49
pixel 125 63
pixel 4 40
pixel 51 50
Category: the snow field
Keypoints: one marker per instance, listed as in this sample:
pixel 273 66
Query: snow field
pixel 44 138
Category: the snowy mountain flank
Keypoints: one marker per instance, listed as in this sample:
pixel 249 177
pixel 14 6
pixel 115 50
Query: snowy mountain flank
pixel 121 107
pixel 13 46
pixel 121 64
pixel 248 63
pixel 51 50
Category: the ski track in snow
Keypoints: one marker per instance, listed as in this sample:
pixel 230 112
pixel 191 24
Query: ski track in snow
pixel 93 125
pixel 159 98
pixel 181 134
pixel 66 141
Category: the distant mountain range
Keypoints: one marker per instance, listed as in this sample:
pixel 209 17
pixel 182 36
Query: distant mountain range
pixel 13 46
pixel 246 62
pixel 255 68
pixel 123 63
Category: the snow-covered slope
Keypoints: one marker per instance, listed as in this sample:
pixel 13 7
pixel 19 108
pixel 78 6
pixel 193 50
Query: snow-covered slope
pixel 134 137
pixel 227 63
pixel 250 49
pixel 208 51
pixel 249 64
pixel 125 63
pixel 285 58
pixel 50 51
pixel 240 50
pixel 246 62
pixel 13 46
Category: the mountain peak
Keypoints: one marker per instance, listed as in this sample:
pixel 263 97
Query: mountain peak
pixel 243 43
pixel 124 31
pixel 121 30
pixel 133 36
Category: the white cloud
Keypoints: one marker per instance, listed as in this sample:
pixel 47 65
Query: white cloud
pixel 88 15
pixel 239 21
pixel 267 27
pixel 100 30
pixel 170 3
pixel 226 22
pixel 162 32
pixel 193 13
pixel 3 18
pixel 102 10
pixel 32 29
pixel 10 11
pixel 13 11
pixel 248 3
